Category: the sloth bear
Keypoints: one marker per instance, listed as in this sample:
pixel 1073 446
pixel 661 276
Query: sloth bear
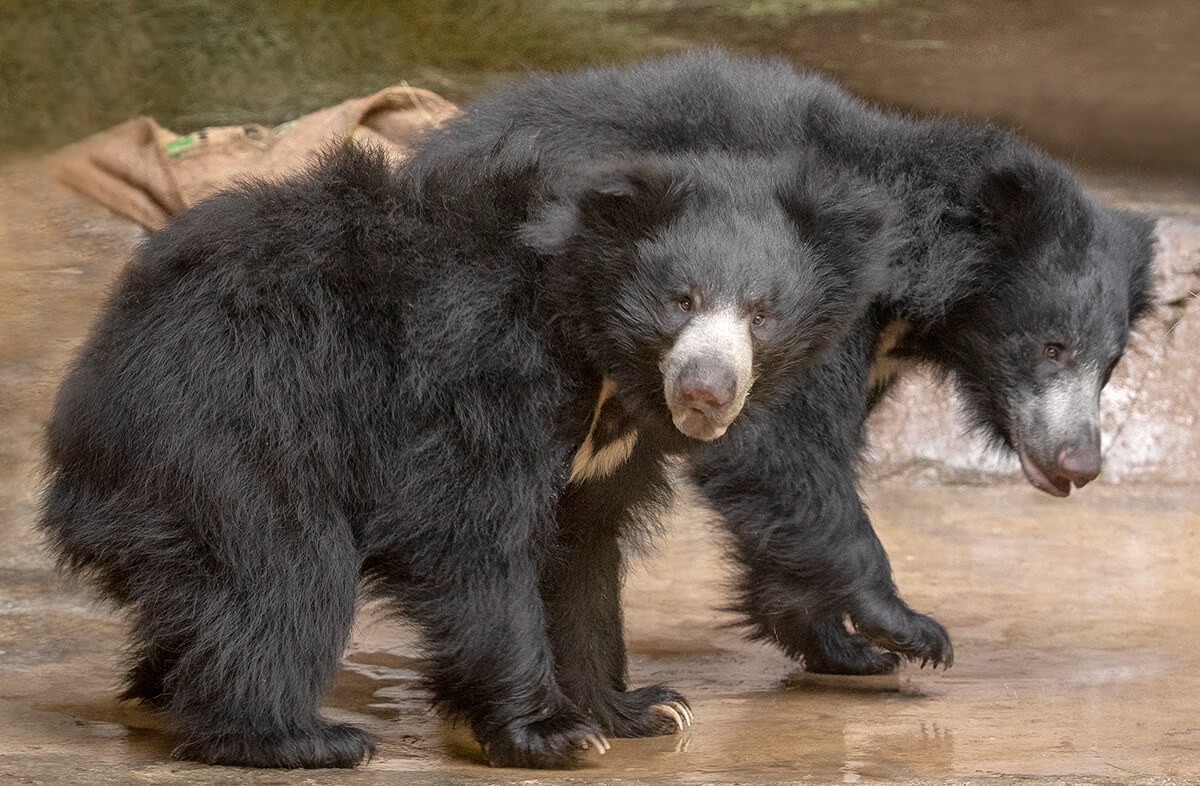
pixel 1010 281
pixel 449 385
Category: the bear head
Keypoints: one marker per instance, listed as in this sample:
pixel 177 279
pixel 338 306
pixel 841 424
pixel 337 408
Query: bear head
pixel 1062 280
pixel 689 281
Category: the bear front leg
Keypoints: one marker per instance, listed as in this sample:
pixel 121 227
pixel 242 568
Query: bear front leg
pixel 807 617
pixel 810 558
pixel 581 586
pixel 491 662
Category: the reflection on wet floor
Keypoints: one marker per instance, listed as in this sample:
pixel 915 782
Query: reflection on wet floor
pixel 1074 625
pixel 1074 621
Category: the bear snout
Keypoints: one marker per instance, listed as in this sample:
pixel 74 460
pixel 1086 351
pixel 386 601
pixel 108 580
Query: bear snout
pixel 1057 433
pixel 1080 463
pixel 707 374
pixel 705 386
pixel 1077 463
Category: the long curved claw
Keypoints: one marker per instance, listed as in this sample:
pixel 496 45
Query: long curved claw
pixel 677 712
pixel 597 741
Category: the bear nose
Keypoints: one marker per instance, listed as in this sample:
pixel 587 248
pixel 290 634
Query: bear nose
pixel 707 387
pixel 1080 464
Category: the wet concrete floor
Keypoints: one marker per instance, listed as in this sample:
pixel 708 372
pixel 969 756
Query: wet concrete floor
pixel 1074 620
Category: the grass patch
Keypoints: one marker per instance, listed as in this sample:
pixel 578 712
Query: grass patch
pixel 72 67
pixel 766 12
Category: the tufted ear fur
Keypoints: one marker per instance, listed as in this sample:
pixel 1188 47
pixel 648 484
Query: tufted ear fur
pixel 1139 247
pixel 613 201
pixel 852 223
pixel 1023 204
pixel 1007 203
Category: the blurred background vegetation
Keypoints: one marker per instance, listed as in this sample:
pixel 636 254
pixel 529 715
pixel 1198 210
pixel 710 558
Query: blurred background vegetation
pixel 1106 83
pixel 72 67
pixel 75 66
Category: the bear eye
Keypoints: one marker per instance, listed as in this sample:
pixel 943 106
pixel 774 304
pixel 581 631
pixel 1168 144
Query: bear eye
pixel 1054 352
pixel 685 303
pixel 758 320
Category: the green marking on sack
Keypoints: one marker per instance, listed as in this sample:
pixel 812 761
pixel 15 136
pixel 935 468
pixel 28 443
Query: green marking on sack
pixel 176 146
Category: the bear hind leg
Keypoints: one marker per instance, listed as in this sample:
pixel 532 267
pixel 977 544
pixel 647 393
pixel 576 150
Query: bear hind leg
pixel 144 681
pixel 239 658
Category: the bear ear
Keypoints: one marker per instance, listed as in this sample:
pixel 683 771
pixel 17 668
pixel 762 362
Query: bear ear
pixel 1135 249
pixel 853 224
pixel 1007 201
pixel 1023 204
pixel 616 202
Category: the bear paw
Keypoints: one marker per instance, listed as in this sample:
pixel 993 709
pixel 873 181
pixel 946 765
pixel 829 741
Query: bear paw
pixel 842 652
pixel 323 745
pixel 556 742
pixel 918 638
pixel 653 711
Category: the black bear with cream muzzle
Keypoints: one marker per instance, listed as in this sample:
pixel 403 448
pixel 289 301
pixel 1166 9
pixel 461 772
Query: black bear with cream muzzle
pixel 1011 281
pixel 452 386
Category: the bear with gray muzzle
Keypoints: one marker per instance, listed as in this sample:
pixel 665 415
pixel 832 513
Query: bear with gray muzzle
pixel 452 386
pixel 1011 282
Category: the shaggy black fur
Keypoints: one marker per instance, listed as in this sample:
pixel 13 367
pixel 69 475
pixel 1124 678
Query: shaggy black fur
pixel 370 377
pixel 1012 282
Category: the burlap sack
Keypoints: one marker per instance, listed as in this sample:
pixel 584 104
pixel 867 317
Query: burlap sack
pixel 141 170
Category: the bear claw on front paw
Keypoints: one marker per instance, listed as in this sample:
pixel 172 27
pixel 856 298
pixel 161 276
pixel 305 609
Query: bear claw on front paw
pixel 943 658
pixel 555 742
pixel 652 711
pixel 676 711
pixel 597 741
pixel 916 638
